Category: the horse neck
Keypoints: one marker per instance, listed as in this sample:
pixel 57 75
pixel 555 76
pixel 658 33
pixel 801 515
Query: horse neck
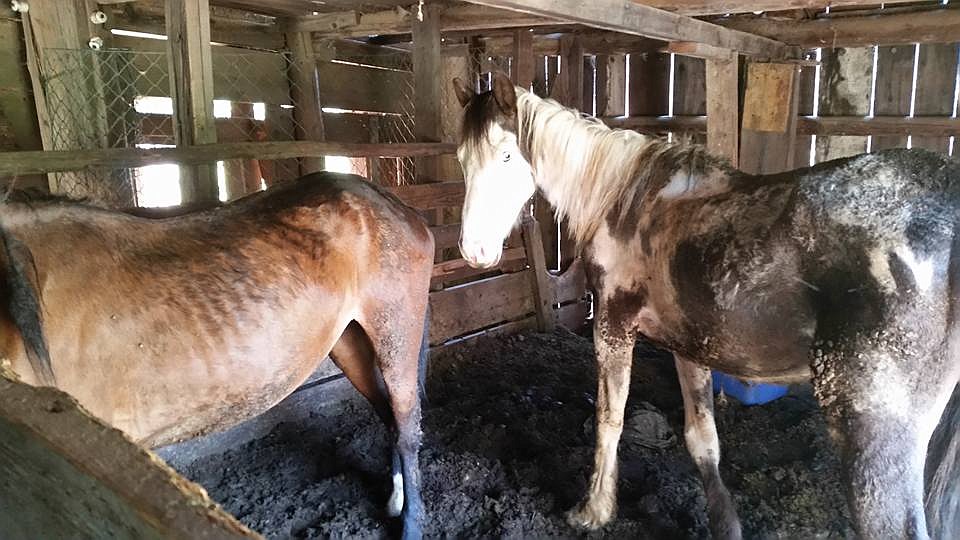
pixel 581 166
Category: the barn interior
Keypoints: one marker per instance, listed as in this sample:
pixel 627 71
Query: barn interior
pixel 179 104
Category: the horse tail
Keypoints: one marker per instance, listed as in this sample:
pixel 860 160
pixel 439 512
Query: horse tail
pixel 424 354
pixel 943 470
pixel 23 304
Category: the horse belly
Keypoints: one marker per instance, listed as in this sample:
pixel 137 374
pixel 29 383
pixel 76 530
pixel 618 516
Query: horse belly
pixel 161 389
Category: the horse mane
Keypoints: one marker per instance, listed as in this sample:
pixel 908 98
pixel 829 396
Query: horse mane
pixel 32 195
pixel 591 169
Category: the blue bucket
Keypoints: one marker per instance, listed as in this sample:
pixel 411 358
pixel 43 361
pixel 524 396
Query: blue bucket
pixel 748 393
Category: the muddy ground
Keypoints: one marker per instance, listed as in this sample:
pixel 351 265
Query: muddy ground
pixel 508 447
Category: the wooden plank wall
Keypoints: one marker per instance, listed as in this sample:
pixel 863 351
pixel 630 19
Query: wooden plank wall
pixel 466 301
pixel 846 76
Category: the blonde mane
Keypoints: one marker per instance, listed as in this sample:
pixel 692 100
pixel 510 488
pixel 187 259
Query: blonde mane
pixel 586 169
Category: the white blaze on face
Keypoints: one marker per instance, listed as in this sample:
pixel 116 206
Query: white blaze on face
pixel 499 181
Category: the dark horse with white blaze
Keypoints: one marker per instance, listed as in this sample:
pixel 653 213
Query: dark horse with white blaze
pixel 172 328
pixel 846 274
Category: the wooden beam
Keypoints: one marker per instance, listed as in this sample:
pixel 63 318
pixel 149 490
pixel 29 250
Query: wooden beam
pixel 463 18
pixel 630 18
pixel 69 475
pixel 723 96
pixel 940 126
pixel 426 83
pixel 930 126
pixel 714 7
pixel 305 91
pixel 932 26
pixel 697 50
pixel 20 163
pixel 191 85
pixel 658 123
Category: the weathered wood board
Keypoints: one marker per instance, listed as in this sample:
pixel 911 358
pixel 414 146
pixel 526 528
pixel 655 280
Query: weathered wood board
pixel 892 96
pixel 69 475
pixel 936 78
pixel 845 77
pixel 768 97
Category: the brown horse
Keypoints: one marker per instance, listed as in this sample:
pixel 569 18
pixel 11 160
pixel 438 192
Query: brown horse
pixel 171 328
pixel 846 274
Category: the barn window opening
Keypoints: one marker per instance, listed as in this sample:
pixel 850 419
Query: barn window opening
pixel 153 105
pixel 158 185
pixel 956 101
pixel 260 111
pixel 136 34
pixel 670 91
pixel 626 87
pixel 913 88
pixel 873 93
pixel 222 108
pixel 816 105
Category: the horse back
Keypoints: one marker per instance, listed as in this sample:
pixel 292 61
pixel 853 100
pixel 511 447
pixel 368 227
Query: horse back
pixel 172 327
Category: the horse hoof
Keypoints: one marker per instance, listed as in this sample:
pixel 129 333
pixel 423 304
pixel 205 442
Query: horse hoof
pixel 588 517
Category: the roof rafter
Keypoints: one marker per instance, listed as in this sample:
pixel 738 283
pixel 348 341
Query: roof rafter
pixel 631 18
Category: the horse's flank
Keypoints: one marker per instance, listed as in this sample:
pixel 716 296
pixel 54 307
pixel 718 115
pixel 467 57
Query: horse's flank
pixel 174 327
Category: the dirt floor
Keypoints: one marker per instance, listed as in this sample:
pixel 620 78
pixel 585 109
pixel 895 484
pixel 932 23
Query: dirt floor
pixel 508 447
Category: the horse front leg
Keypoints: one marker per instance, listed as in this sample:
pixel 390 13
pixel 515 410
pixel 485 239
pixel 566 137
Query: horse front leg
pixel 700 432
pixel 614 348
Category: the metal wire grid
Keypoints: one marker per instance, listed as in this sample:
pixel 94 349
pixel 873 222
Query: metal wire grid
pixel 393 126
pixel 117 98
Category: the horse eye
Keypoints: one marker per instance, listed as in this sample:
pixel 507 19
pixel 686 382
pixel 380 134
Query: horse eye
pixel 506 157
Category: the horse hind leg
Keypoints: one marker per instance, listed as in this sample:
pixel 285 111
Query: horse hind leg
pixel 881 420
pixel 397 340
pixel 354 355
pixel 704 446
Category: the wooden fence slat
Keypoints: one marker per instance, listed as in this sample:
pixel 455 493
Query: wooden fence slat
pixel 430 196
pixel 936 78
pixel 463 309
pixel 690 90
pixel 894 82
pixel 806 81
pixel 845 77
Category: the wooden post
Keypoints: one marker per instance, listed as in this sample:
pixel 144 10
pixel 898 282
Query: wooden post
pixel 191 85
pixel 571 72
pixel 723 97
pixel 426 68
pixel 611 84
pixel 523 68
pixel 539 280
pixel 690 91
pixel 769 130
pixel 305 91
pixel 16 101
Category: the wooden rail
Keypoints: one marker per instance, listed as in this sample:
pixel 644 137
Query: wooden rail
pixel 39 162
pixel 928 126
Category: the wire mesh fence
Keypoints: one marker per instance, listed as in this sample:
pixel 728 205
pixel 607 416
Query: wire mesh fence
pixel 120 98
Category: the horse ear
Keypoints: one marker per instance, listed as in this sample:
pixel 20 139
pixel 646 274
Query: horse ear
pixel 504 93
pixel 464 92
